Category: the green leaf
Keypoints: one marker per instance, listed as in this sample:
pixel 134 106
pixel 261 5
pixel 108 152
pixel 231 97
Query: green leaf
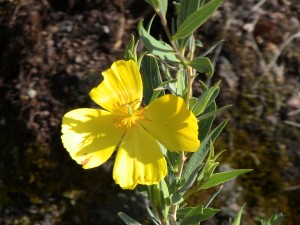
pixel 128 220
pixel 157 48
pixel 206 123
pixel 211 48
pixel 206 99
pixel 203 65
pixel 151 77
pixel 195 215
pixel 190 181
pixel 165 197
pixel 196 19
pixel 177 198
pixel 173 159
pixel 164 7
pixel 192 102
pixel 212 197
pixel 181 83
pixel 218 111
pixel 143 190
pixel 159 5
pixel 237 219
pixel 198 157
pixel 130 50
pixel 219 178
pixel 276 219
pixel 186 8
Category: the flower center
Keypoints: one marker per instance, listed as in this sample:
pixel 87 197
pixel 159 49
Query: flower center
pixel 128 115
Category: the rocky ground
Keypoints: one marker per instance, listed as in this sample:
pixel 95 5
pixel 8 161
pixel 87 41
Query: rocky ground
pixel 52 54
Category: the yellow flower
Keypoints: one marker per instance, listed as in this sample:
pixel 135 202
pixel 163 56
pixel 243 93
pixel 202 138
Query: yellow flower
pixel 92 135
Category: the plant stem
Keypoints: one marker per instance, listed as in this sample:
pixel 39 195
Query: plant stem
pixel 191 77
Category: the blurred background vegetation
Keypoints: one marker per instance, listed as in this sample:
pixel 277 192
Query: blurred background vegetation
pixel 52 53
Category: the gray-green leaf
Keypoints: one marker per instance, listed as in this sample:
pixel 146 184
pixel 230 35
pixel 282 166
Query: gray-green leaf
pixel 151 77
pixel 195 215
pixel 237 219
pixel 203 65
pixel 157 48
pixel 196 19
pixel 198 157
pixel 220 178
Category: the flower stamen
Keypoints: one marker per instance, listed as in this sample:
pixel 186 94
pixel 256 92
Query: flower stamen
pixel 129 114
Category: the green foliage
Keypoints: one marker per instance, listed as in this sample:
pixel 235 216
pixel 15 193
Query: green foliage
pixel 172 66
pixel 198 157
pixel 193 216
pixel 208 96
pixel 275 219
pixel 196 19
pixel 151 77
pixel 237 219
pixel 202 65
pixel 220 178
pixel 130 51
pixel 158 48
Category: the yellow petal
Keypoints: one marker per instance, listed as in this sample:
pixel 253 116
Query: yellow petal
pixel 139 160
pixel 169 121
pixel 122 85
pixel 89 135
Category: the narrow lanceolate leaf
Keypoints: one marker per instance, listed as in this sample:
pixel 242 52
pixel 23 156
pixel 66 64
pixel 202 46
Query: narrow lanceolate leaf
pixel 130 51
pixel 151 77
pixel 128 220
pixel 164 7
pixel 275 219
pixel 206 99
pixel 220 178
pixel 196 19
pixel 186 8
pixel 237 219
pixel 198 157
pixel 195 215
pixel 203 65
pixel 218 111
pixel 206 123
pixel 157 48
pixel 165 197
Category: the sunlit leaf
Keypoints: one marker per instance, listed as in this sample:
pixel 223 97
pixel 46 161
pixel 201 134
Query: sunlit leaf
pixel 206 99
pixel 218 111
pixel 130 50
pixel 157 48
pixel 198 157
pixel 203 65
pixel 196 19
pixel 192 102
pixel 165 197
pixel 184 9
pixel 164 7
pixel 219 178
pixel 195 215
pixel 237 219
